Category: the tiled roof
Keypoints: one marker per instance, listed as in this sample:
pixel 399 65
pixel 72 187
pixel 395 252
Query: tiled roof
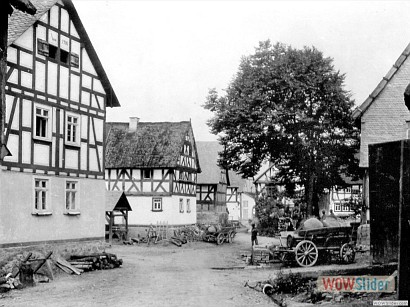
pixel 357 113
pixel 152 145
pixel 116 200
pixel 243 185
pixel 208 155
pixel 19 22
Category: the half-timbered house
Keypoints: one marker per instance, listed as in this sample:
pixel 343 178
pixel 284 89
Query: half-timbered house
pixel 212 183
pixel 156 165
pixel 52 183
pixel 240 197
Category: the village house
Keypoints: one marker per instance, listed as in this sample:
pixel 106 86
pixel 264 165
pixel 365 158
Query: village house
pixel 383 116
pixel 156 165
pixel 52 181
pixel 212 184
pixel 240 198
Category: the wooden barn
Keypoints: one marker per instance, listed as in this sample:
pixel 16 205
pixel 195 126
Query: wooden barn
pixel 52 183
pixel 156 165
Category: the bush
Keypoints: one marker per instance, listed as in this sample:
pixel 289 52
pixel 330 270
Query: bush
pixel 291 283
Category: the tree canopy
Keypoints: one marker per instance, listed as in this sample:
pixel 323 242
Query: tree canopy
pixel 287 106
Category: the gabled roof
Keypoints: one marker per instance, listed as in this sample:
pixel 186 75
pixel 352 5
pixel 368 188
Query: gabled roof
pixel 22 5
pixel 359 111
pixel 208 155
pixel 116 200
pixel 243 185
pixel 19 22
pixel 152 145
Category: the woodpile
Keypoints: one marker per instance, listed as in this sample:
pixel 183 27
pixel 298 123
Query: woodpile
pixel 78 264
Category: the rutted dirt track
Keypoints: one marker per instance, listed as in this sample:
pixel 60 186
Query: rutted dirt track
pixel 157 275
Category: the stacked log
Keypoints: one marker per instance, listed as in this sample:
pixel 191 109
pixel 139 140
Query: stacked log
pixel 100 261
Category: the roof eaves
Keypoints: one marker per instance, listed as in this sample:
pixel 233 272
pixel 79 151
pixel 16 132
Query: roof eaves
pixel 382 84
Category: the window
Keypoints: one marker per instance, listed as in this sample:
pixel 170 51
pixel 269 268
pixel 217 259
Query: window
pixel 146 174
pixel 71 199
pixel 64 56
pixel 52 52
pixel 188 205
pixel 72 136
pixel 42 123
pixel 338 206
pixel 157 204
pixel 181 205
pixel 41 193
pixel 58 54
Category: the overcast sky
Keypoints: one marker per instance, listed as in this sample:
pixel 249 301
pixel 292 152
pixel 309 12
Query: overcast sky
pixel 162 56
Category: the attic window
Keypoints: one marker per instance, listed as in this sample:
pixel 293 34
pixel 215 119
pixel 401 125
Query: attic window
pixel 64 56
pixel 52 52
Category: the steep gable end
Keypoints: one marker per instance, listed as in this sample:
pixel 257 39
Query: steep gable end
pixel 56 25
pixel 383 115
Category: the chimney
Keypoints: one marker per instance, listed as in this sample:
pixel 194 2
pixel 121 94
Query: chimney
pixel 133 124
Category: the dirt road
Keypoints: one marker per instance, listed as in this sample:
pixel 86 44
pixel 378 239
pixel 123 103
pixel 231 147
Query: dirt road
pixel 156 276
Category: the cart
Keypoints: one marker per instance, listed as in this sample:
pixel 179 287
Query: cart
pixel 307 246
pixel 221 235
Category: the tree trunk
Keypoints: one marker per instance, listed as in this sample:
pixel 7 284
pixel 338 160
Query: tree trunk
pixel 309 196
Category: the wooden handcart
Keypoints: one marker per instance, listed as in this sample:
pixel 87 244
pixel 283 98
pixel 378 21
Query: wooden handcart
pixel 305 247
pixel 221 235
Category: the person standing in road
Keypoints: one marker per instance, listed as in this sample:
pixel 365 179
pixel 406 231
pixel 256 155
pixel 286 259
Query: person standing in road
pixel 254 235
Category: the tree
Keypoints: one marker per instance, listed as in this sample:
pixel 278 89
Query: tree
pixel 289 107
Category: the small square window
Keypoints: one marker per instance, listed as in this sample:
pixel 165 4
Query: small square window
pixel 147 174
pixel 157 204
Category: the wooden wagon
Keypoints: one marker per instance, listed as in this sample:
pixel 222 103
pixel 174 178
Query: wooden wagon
pixel 221 235
pixel 306 246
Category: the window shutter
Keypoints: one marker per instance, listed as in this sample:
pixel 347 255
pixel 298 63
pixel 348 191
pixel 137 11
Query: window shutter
pixel 42 47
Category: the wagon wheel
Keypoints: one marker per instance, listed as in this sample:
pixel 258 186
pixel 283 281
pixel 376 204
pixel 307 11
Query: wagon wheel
pixel 347 253
pixel 220 239
pixel 306 253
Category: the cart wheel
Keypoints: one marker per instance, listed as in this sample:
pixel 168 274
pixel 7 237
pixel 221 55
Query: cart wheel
pixel 306 253
pixel 347 253
pixel 220 239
